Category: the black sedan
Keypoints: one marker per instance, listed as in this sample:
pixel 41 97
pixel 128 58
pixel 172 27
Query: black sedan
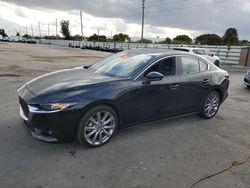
pixel 130 87
pixel 247 79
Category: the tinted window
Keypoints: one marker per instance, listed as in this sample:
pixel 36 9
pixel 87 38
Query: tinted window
pixel 198 51
pixel 203 66
pixel 207 52
pixel 190 65
pixel 166 67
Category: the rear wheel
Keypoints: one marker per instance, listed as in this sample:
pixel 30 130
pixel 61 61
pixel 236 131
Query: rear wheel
pixel 211 105
pixel 217 63
pixel 97 126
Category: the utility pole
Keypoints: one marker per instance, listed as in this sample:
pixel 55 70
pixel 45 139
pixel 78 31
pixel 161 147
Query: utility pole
pixel 39 29
pixel 142 21
pixel 56 28
pixel 26 30
pixel 81 24
pixel 48 29
pixel 32 31
pixel 98 32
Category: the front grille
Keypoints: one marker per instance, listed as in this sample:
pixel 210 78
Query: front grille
pixel 24 107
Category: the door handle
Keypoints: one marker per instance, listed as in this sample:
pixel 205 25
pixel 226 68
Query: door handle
pixel 174 86
pixel 205 81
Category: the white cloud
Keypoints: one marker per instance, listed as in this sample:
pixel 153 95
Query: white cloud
pixel 162 18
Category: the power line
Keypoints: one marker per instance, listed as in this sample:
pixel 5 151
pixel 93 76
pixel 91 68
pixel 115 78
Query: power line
pixel 180 7
pixel 193 6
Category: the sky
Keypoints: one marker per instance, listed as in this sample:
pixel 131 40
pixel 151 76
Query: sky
pixel 163 18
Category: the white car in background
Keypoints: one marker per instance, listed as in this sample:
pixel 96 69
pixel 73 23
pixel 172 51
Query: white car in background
pixel 201 51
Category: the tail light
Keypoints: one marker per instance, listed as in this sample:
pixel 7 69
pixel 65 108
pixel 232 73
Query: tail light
pixel 227 76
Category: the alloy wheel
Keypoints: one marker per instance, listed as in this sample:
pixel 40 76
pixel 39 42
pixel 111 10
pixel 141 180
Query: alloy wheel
pixel 99 128
pixel 212 105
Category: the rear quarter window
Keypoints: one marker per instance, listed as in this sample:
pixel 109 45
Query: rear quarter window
pixel 203 66
pixel 190 65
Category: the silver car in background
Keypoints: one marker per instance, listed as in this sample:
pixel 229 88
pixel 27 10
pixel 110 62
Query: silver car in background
pixel 205 53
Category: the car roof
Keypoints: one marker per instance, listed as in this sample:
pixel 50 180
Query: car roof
pixel 161 53
pixel 190 48
pixel 155 52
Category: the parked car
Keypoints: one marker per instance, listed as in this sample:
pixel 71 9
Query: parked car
pixel 15 38
pixel 203 52
pixel 247 79
pixel 130 87
pixel 31 41
pixel 5 39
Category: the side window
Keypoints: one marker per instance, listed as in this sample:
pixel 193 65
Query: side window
pixel 207 52
pixel 166 67
pixel 199 51
pixel 203 66
pixel 190 65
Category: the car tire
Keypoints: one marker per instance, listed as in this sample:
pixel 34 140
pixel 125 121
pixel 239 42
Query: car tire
pixel 97 126
pixel 210 105
pixel 217 63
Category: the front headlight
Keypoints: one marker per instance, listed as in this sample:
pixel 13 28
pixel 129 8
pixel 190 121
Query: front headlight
pixel 49 108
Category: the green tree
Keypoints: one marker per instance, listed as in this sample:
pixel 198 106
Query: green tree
pixel 77 37
pixel 2 32
pixel 168 40
pixel 230 37
pixel 145 41
pixel 95 37
pixel 52 37
pixel 244 42
pixel 65 29
pixel 26 36
pixel 17 34
pixel 209 39
pixel 182 39
pixel 121 37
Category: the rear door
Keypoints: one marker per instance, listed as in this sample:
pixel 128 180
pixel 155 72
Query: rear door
pixel 195 82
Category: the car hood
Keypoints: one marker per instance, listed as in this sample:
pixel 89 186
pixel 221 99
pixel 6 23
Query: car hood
pixel 64 80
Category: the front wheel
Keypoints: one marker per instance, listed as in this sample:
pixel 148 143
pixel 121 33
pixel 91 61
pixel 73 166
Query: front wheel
pixel 211 105
pixel 97 126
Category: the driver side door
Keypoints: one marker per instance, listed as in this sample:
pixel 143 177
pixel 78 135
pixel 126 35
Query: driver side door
pixel 156 99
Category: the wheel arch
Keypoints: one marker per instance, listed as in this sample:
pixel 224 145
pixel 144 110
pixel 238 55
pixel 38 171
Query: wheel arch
pixel 219 91
pixel 91 105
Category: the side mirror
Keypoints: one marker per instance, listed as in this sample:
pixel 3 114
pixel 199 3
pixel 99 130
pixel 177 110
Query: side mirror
pixel 212 55
pixel 153 76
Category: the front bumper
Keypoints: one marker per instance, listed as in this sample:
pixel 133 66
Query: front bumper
pixel 33 131
pixel 52 127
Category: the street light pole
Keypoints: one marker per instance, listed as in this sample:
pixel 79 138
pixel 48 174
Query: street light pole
pixel 81 24
pixel 142 25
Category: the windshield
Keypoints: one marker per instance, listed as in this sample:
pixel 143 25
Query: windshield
pixel 121 64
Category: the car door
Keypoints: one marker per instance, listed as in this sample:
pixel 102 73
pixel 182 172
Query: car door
pixel 195 82
pixel 158 98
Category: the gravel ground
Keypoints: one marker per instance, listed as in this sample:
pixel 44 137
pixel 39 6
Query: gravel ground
pixel 169 153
